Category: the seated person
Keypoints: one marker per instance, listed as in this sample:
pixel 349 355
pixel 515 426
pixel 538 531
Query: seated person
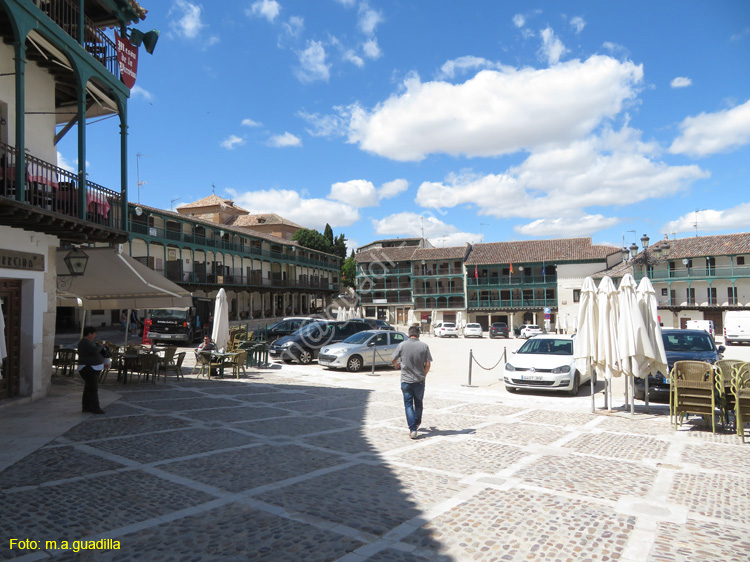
pixel 207 345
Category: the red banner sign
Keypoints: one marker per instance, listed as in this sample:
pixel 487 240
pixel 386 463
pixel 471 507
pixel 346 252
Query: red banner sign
pixel 127 58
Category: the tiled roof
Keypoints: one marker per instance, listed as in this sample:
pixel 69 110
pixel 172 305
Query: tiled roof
pixel 704 246
pixel 386 255
pixel 264 219
pixel 616 271
pixel 212 201
pixel 529 251
pixel 451 253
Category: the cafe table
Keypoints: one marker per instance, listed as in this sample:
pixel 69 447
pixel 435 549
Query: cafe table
pixel 221 357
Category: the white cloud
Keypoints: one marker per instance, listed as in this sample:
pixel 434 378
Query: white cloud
pixel 410 225
pixel 294 26
pixel 347 3
pixel 332 125
pixel 519 21
pixel 357 193
pixel 138 92
pixel 567 227
pixel 368 19
pixel 552 48
pixel 734 218
pixel 231 142
pixel 681 82
pixel 561 182
pixel 371 49
pixel 709 133
pixel 312 62
pixel 466 64
pixel 577 23
pixel 284 141
pixel 392 188
pixel 63 163
pixel 250 123
pixel 310 213
pixel 352 57
pixel 496 112
pixel 268 9
pixel 187 22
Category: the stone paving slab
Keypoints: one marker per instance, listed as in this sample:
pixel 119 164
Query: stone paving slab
pixel 298 463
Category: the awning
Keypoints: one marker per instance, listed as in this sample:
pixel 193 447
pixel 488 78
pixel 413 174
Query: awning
pixel 116 281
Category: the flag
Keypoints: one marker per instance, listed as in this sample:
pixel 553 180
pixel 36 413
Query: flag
pixel 511 268
pixel 476 272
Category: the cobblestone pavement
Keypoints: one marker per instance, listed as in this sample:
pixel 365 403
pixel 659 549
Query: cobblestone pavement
pixel 297 463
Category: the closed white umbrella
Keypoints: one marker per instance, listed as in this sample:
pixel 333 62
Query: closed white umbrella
pixel 220 332
pixel 633 341
pixel 607 353
pixel 460 319
pixel 586 332
pixel 410 320
pixel 648 305
pixel 340 314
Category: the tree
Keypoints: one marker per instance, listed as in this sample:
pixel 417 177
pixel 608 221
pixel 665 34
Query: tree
pixel 313 239
pixel 328 233
pixel 339 247
pixel 348 271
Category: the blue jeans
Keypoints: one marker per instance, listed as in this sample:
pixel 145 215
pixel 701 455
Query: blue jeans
pixel 413 395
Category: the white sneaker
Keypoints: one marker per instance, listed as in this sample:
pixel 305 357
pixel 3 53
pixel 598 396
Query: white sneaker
pixel 412 434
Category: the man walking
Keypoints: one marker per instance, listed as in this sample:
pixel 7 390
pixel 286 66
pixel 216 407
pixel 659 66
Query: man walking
pixel 414 358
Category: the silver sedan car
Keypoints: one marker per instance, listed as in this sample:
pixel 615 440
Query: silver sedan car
pixel 357 351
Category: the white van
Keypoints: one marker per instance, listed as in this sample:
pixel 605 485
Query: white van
pixel 705 325
pixel 736 326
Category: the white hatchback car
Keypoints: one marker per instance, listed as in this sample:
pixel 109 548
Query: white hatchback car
pixel 473 330
pixel 446 330
pixel 544 362
pixel 530 330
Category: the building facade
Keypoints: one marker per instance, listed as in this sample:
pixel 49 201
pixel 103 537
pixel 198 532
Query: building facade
pixel 58 68
pixel 512 282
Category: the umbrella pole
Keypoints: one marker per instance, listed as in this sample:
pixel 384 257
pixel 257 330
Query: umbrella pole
pixel 632 395
pixel 83 322
pixel 645 396
pixel 127 329
pixel 593 388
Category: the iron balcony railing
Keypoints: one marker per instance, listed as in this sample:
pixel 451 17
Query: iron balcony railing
pixel 238 280
pixel 440 271
pixel 696 272
pixel 497 281
pixel 510 303
pixel 65 13
pixel 438 290
pixel 55 189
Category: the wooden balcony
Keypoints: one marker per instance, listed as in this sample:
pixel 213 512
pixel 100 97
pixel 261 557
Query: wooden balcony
pixel 51 202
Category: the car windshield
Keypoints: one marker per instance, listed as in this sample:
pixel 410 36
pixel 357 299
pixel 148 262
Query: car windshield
pixel 473 326
pixel 547 347
pixel 168 314
pixel 448 325
pixel 358 338
pixel 532 327
pixel 688 342
pixel 498 325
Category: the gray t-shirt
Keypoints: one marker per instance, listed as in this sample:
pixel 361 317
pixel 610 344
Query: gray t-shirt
pixel 413 355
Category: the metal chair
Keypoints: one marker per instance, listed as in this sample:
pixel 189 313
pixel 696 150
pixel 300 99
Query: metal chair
pixel 741 389
pixel 66 361
pixel 207 365
pixel 693 390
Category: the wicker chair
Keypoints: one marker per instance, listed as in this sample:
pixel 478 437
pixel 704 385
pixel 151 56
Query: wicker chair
pixel 741 389
pixel 692 391
pixel 208 367
pixel 238 363
pixel 163 362
pixel 176 366
pixel 724 375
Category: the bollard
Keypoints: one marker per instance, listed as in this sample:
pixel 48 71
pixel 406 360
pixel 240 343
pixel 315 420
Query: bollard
pixel 471 359
pixel 372 373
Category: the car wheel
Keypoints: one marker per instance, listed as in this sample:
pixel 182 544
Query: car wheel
pixel 354 364
pixel 576 382
pixel 305 357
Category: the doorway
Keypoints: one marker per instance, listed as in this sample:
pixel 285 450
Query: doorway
pixel 10 300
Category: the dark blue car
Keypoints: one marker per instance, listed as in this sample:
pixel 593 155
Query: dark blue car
pixel 680 345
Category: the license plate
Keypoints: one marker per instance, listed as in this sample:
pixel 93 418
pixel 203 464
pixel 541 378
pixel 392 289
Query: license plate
pixel 531 377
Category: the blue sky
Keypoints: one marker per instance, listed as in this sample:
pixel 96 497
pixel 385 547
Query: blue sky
pixel 473 121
